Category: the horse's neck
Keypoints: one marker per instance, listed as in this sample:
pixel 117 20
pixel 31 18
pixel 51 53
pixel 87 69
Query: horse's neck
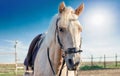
pixel 56 56
pixel 58 60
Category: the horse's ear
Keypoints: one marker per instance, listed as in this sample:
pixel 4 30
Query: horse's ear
pixel 79 9
pixel 61 7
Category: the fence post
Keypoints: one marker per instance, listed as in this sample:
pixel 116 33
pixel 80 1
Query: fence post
pixel 15 46
pixel 116 60
pixel 91 60
pixel 104 61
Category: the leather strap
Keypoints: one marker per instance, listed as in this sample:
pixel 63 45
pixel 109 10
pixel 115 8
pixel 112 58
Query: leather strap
pixel 52 66
pixel 58 38
pixel 50 61
pixel 62 68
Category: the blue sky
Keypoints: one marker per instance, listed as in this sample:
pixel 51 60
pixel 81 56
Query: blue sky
pixel 22 20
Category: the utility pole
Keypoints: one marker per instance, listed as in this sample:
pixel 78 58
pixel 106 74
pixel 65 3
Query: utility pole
pixel 15 46
pixel 91 60
pixel 104 61
pixel 116 60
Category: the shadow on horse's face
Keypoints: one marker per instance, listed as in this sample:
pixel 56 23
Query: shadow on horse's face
pixel 69 30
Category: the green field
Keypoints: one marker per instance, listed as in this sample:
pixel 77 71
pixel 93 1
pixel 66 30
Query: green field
pixel 9 69
pixel 97 66
pixel 11 74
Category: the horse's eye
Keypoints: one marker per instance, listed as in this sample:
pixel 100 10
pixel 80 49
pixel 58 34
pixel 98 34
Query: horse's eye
pixel 61 29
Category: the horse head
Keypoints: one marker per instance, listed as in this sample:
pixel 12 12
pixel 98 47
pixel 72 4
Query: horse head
pixel 68 30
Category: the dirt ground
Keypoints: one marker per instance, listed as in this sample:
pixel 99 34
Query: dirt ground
pixel 105 72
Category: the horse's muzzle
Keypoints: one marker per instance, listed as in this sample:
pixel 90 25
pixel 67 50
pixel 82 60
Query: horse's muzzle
pixel 72 65
pixel 72 59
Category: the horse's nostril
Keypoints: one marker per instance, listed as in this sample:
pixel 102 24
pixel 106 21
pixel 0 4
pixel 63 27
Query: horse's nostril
pixel 77 63
pixel 70 61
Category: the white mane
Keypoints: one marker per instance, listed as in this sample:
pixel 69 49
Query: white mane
pixel 50 36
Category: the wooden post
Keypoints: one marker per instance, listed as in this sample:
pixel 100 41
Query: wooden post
pixel 116 60
pixel 15 46
pixel 91 60
pixel 104 61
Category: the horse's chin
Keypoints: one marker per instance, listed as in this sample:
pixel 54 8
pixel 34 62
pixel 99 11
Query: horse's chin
pixel 73 68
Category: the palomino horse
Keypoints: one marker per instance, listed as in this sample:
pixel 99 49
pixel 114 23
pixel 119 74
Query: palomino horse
pixel 59 54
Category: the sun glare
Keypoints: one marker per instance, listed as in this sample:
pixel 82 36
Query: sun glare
pixel 99 20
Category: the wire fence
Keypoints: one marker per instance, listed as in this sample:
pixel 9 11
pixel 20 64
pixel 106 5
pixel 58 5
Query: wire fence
pixel 9 62
pixel 105 61
pixel 16 67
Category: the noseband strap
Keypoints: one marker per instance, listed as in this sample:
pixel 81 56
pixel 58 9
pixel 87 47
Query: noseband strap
pixel 72 51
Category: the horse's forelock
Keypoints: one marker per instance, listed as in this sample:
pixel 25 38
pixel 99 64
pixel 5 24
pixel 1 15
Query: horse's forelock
pixel 69 15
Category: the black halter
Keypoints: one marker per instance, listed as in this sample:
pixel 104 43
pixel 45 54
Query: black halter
pixel 58 38
pixel 61 46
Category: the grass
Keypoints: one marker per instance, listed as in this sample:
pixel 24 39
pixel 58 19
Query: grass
pixel 9 70
pixel 11 74
pixel 97 66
